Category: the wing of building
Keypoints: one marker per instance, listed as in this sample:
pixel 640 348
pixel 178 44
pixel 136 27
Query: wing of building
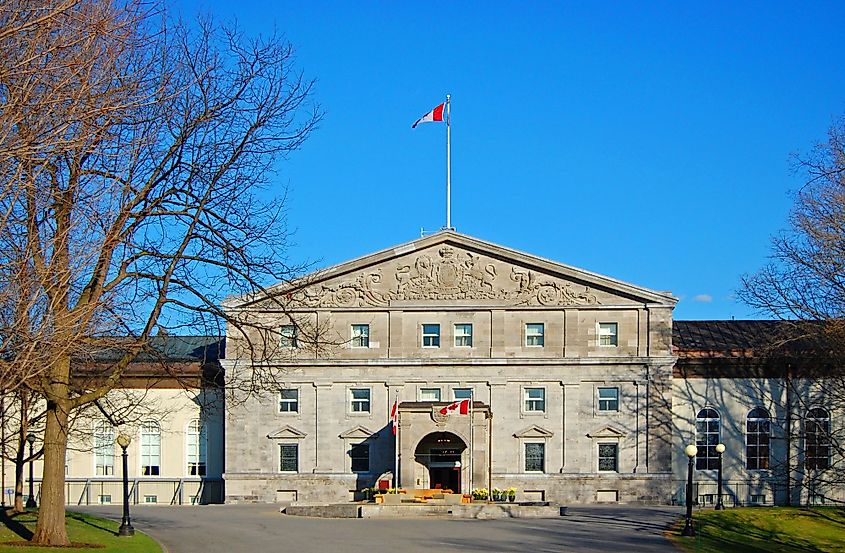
pixel 580 387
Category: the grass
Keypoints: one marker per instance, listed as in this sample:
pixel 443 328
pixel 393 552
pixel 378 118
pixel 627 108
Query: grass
pixel 16 530
pixel 765 529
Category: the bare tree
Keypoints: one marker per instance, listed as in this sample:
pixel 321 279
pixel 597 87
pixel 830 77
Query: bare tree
pixel 804 285
pixel 136 155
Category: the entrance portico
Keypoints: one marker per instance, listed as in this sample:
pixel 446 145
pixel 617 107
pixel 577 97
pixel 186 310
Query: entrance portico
pixel 443 451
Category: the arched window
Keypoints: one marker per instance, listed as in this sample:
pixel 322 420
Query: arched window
pixel 707 429
pixel 150 448
pixel 103 449
pixel 197 443
pixel 817 439
pixel 757 436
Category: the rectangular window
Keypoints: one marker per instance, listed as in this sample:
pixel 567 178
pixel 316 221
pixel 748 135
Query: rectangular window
pixel 289 338
pixel 608 334
pixel 463 335
pixel 360 336
pixel 105 499
pixel 462 393
pixel 431 336
pixel 608 399
pixel 360 454
pixel 150 448
pixel 150 499
pixel 535 457
pixel 429 394
pixel 608 457
pixel 535 399
pixel 360 399
pixel 535 334
pixel 104 450
pixel 289 400
pixel 289 457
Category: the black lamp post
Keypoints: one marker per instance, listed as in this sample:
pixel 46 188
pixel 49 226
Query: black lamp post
pixel 691 452
pixel 125 524
pixel 30 501
pixel 720 448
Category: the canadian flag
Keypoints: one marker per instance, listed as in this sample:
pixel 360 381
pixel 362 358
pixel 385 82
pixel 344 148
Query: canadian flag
pixel 434 115
pixel 460 407
pixel 394 416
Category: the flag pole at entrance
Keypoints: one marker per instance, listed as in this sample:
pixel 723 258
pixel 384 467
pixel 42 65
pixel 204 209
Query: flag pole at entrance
pixel 471 441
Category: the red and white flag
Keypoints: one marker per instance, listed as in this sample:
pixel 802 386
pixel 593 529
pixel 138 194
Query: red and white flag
pixel 434 115
pixel 459 407
pixel 394 416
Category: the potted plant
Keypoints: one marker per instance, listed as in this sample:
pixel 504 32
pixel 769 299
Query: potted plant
pixel 480 494
pixel 392 497
pixel 497 494
pixel 511 494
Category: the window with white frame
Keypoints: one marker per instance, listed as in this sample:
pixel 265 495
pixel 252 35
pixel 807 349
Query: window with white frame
pixel 289 400
pixel 150 448
pixel 463 335
pixel 608 457
pixel 535 334
pixel 289 457
pixel 608 399
pixel 289 336
pixel 707 433
pixel 429 394
pixel 534 400
pixel 360 454
pixel 104 449
pixel 608 334
pixel 360 336
pixel 757 437
pixel 359 400
pixel 431 335
pixel 461 393
pixel 197 445
pixel 817 439
pixel 535 457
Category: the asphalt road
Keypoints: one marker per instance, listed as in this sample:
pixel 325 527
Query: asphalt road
pixel 254 528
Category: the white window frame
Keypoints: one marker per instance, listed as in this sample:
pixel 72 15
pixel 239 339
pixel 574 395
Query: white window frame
pixel 196 448
pixel 103 448
pixel 463 336
pixel 526 406
pixel 150 448
pixel 289 336
pixel 288 401
pixel 432 338
pixel 463 388
pixel 762 428
pixel 607 331
pixel 707 458
pixel 353 402
pixel 535 332
pixel 600 401
pixel 615 446
pixel 432 388
pixel 360 336
pixel 279 447
pixel 544 449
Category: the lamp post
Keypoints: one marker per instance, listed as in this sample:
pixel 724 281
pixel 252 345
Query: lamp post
pixel 720 448
pixel 691 452
pixel 30 501
pixel 125 524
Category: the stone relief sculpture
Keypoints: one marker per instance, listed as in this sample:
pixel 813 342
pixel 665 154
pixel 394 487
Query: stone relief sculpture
pixel 449 276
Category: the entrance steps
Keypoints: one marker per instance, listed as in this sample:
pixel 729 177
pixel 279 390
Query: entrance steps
pixel 471 511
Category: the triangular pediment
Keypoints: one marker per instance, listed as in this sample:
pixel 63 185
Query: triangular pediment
pixel 534 431
pixel 452 268
pixel 607 432
pixel 286 433
pixel 358 433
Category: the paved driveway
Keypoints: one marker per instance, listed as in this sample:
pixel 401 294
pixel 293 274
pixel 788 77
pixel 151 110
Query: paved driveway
pixel 260 528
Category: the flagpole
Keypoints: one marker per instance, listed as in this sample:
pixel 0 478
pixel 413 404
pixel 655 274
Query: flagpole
pixel 396 444
pixel 471 441
pixel 448 163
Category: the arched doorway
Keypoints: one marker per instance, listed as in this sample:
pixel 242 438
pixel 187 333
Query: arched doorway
pixel 439 455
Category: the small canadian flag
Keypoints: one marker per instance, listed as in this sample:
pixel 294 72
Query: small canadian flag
pixel 460 407
pixel 434 115
pixel 394 416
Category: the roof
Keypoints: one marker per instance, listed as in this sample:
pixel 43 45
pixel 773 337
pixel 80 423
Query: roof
pixel 204 349
pixel 744 338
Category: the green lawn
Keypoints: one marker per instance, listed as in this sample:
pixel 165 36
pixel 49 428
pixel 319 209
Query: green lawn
pixel 17 529
pixel 766 529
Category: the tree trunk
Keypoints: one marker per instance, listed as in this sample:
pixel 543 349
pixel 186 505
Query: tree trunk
pixel 51 529
pixel 19 465
pixel 20 453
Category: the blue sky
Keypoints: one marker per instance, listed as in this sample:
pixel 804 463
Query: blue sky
pixel 650 143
